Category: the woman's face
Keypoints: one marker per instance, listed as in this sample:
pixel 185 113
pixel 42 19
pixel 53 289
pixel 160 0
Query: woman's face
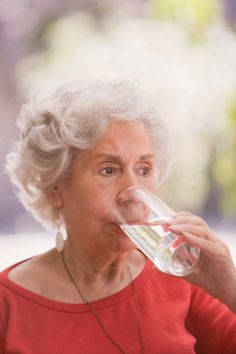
pixel 123 158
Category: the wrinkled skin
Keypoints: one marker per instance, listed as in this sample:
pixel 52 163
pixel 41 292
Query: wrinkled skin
pixel 216 272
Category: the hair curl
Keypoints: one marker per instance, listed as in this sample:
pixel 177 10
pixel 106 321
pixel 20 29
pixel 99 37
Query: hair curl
pixel 75 117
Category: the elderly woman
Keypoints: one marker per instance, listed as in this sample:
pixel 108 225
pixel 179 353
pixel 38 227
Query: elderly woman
pixel 95 292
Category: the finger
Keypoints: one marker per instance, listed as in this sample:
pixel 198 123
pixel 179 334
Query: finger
pixel 179 213
pixel 216 250
pixel 210 249
pixel 194 240
pixel 199 231
pixel 187 219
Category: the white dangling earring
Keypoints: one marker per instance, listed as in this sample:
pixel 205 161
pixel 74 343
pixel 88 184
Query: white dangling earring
pixel 59 237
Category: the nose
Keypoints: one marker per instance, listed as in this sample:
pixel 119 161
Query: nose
pixel 127 197
pixel 128 179
pixel 130 206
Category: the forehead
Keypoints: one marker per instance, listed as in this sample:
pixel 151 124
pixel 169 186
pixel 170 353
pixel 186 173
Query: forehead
pixel 125 140
pixel 124 134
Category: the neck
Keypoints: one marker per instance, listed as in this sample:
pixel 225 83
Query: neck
pixel 102 276
pixel 95 314
pixel 94 265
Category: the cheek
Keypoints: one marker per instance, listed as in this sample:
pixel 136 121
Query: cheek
pixel 150 184
pixel 95 205
pixel 102 207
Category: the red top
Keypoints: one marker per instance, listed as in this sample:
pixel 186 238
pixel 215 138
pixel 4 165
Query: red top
pixel 175 316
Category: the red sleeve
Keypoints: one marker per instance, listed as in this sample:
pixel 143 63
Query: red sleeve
pixel 212 323
pixel 2 331
pixel 1 335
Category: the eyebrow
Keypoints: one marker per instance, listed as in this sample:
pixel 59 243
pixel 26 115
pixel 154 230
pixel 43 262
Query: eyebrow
pixel 110 157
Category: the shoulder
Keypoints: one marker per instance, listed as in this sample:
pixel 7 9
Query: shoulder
pixel 212 323
pixel 164 287
pixel 35 273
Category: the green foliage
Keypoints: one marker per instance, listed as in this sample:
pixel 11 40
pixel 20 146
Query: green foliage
pixel 195 12
pixel 224 171
pixel 224 168
pixel 232 112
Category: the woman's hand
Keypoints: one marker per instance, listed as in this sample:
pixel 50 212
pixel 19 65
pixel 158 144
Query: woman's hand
pixel 216 272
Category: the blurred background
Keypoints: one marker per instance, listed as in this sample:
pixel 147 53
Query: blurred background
pixel 184 54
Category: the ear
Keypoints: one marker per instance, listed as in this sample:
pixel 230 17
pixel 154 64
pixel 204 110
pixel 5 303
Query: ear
pixel 55 197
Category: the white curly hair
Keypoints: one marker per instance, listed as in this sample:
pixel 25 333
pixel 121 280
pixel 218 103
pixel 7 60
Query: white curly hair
pixel 75 117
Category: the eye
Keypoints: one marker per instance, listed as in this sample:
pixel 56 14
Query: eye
pixel 108 171
pixel 145 171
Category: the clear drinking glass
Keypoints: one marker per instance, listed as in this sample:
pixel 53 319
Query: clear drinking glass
pixel 143 218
